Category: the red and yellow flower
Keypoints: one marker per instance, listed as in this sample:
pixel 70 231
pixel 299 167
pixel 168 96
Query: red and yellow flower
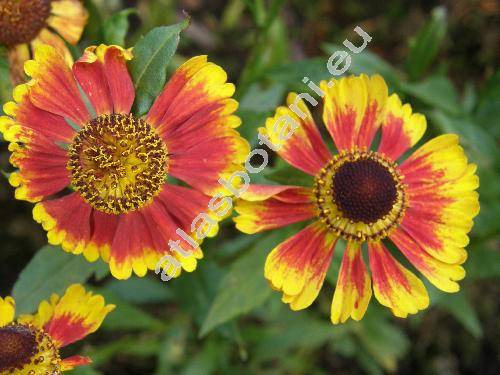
pixel 32 343
pixel 25 24
pixel 368 192
pixel 98 172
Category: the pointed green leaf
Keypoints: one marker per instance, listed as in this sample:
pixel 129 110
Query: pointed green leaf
pixel 51 270
pixel 152 54
pixel 115 28
pixel 243 288
pixel 425 46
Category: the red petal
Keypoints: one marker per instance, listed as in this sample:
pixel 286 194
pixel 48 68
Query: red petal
pixel 55 89
pixel 102 73
pixel 194 115
pixel 74 361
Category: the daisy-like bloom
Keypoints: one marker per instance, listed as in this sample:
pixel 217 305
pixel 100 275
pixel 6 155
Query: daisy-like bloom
pixel 99 172
pixel 25 24
pixel 31 344
pixel 369 193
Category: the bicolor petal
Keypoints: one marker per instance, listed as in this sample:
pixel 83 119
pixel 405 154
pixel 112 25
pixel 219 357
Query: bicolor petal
pixel 195 117
pixel 353 290
pixel 442 198
pixel 43 315
pixel 142 237
pixel 74 361
pixel 354 109
pixel 67 221
pixel 267 207
pixel 298 266
pixel 294 134
pixel 53 87
pixel 47 37
pixel 442 275
pixel 401 129
pixel 68 18
pixel 394 286
pixel 77 314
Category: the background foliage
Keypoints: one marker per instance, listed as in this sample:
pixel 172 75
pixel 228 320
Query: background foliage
pixel 442 57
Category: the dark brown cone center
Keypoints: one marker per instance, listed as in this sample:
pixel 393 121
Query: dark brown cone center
pixel 22 20
pixel 17 346
pixel 364 190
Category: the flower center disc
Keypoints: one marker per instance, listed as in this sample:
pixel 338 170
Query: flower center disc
pixel 118 163
pixel 359 195
pixel 25 349
pixel 364 190
pixel 17 346
pixel 22 20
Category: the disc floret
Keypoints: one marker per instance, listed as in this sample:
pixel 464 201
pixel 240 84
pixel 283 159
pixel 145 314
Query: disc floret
pixel 118 163
pixel 22 20
pixel 360 195
pixel 28 350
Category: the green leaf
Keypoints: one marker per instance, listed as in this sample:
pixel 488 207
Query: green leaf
pixel 478 143
pixel 152 54
pixel 436 91
pixel 425 46
pixel 483 264
pixel 369 63
pixel 126 316
pixel 460 308
pixel 140 290
pixel 85 370
pixel 172 348
pixel 288 175
pixel 287 333
pixel 115 28
pixel 292 73
pixel 51 270
pixel 194 291
pixel 93 29
pixel 487 225
pixel 385 342
pixel 243 288
pixel 205 362
pixel 256 106
pixel 260 99
pixel 5 84
pixel 251 121
pixel 129 347
pixel 488 108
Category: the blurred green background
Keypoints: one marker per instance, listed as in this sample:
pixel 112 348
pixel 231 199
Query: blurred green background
pixel 442 57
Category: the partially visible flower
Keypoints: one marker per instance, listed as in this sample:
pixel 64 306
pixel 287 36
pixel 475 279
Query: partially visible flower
pixel 99 173
pixel 31 344
pixel 365 194
pixel 25 24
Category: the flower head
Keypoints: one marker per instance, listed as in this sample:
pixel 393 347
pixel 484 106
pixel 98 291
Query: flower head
pixel 99 173
pixel 25 24
pixel 367 193
pixel 32 343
